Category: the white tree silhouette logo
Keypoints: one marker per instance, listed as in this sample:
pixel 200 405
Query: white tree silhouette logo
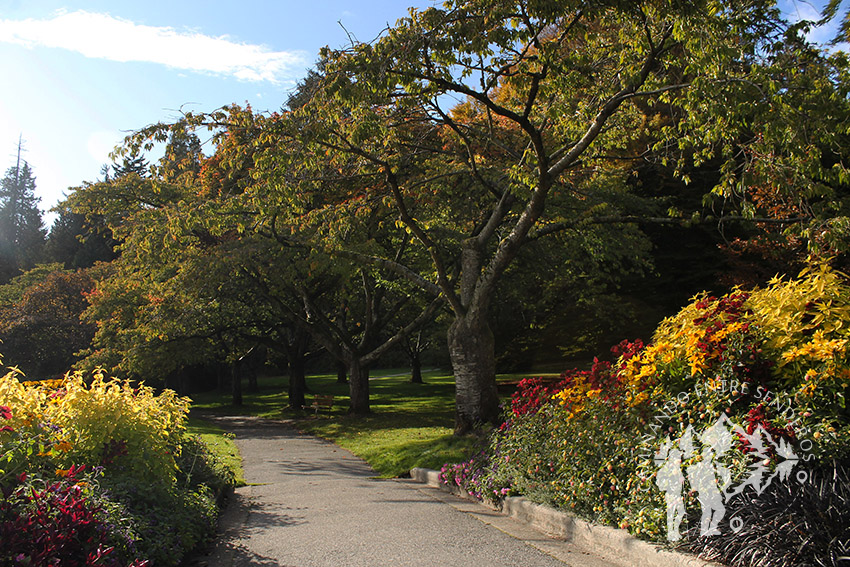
pixel 710 479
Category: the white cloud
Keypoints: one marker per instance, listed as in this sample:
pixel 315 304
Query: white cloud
pixel 798 10
pixel 101 36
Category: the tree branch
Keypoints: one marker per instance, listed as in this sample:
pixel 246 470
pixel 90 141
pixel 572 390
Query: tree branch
pixel 423 317
pixel 422 236
pixel 608 110
pixel 394 267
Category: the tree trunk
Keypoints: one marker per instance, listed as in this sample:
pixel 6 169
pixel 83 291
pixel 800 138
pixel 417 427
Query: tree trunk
pixel 236 384
pixel 358 385
pixel 297 380
pixel 472 352
pixel 253 385
pixel 223 378
pixel 415 369
pixel 341 372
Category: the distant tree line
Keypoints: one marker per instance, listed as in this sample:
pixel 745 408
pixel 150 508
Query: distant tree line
pixel 45 277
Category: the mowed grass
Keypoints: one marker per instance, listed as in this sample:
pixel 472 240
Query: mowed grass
pixel 268 402
pixel 411 425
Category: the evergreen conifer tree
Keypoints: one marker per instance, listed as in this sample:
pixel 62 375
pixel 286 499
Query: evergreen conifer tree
pixel 22 233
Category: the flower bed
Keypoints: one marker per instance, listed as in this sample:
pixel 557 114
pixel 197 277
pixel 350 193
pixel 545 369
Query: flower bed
pixel 750 389
pixel 94 473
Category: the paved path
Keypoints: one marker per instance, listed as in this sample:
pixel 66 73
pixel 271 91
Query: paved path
pixel 310 503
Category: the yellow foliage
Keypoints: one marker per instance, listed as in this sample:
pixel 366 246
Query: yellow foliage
pixel 84 422
pixel 795 330
pixel 789 311
pixel 26 402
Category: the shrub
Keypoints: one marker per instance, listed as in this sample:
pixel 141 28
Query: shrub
pixel 531 394
pixel 55 522
pixel 789 525
pixel 151 499
pixel 130 430
pixel 586 462
pixel 770 365
pixel 133 427
pixel 478 476
pixel 168 521
pixel 197 466
pixel 786 342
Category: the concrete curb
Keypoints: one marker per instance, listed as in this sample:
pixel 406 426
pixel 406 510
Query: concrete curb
pixel 562 525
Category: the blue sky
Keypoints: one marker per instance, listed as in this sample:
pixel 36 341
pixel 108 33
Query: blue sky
pixel 77 76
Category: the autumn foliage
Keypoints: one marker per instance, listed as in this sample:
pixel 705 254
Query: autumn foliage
pixel 41 330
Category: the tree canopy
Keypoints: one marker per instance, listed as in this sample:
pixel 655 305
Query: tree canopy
pixel 40 326
pixel 463 149
pixel 488 125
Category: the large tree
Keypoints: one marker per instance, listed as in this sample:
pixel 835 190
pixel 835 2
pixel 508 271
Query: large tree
pixel 200 266
pixel 490 124
pixel 22 233
pixel 79 243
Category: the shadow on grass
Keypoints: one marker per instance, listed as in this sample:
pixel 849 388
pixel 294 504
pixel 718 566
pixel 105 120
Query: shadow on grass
pixel 196 426
pixel 394 393
pixel 410 425
pixel 397 459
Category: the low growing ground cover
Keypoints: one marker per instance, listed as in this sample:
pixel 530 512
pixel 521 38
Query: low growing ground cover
pixel 727 434
pixel 95 471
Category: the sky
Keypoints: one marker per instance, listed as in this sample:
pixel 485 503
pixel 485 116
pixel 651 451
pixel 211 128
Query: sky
pixel 79 76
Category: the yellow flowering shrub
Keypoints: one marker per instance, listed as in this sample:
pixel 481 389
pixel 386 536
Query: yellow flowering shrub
pixel 807 325
pixel 130 429
pixel 685 346
pixel 791 310
pixel 574 397
pixel 791 337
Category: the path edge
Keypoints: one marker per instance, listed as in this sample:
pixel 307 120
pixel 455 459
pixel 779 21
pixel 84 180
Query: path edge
pixel 563 525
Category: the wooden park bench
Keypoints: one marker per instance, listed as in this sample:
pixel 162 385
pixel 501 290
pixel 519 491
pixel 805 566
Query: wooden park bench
pixel 322 401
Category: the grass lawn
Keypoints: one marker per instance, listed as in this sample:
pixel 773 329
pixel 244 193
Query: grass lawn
pixel 411 424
